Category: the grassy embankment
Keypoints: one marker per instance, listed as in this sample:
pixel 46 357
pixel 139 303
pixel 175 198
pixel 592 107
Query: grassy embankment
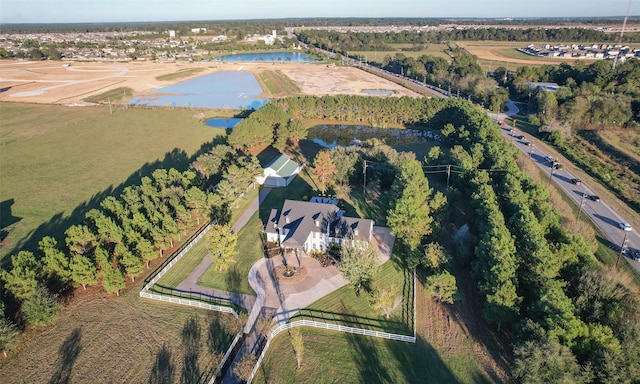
pixel 181 74
pixel 277 84
pixel 59 162
pixel 118 94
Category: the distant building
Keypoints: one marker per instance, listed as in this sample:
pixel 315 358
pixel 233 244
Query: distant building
pixel 172 34
pixel 279 172
pixel 198 30
pixel 546 86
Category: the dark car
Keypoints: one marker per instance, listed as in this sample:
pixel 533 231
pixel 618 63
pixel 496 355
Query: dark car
pixel 576 181
pixel 519 137
pixel 634 254
pixel 594 198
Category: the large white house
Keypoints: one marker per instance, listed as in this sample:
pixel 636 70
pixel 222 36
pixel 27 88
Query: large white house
pixel 313 226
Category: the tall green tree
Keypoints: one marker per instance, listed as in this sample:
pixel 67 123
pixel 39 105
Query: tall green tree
pixel 83 271
pixel 221 243
pixel 54 261
pixel 358 264
pixel 22 279
pixel 442 287
pixel 410 216
pixel 80 239
pixel 324 170
pixel 8 335
pixel 41 308
pixel 113 280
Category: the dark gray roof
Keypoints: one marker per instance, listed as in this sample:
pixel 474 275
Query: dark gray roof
pixel 302 217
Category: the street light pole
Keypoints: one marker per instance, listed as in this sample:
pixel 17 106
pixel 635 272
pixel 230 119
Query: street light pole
pixel 624 242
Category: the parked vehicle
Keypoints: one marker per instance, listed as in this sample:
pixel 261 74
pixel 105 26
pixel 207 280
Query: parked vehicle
pixel 576 181
pixel 548 159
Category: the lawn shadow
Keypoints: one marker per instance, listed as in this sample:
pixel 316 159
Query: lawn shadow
pixel 233 279
pixel 68 353
pixel 190 336
pixel 163 368
pixel 60 222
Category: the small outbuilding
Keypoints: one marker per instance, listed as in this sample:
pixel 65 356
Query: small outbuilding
pixel 279 172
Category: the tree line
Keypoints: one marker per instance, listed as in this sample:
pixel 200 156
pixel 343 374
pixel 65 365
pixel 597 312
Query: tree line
pixel 344 42
pixel 120 239
pixel 571 319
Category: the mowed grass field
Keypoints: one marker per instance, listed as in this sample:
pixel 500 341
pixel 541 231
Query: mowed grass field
pixel 445 352
pixel 106 339
pixel 58 162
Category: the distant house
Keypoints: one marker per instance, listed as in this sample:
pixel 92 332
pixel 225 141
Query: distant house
pixel 279 172
pixel 313 226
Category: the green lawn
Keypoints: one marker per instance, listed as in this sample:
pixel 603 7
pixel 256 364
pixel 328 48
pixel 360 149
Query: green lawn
pixel 331 357
pixel 249 250
pixel 346 308
pixel 59 162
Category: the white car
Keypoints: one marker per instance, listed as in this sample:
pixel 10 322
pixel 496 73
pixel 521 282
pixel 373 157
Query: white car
pixel 624 226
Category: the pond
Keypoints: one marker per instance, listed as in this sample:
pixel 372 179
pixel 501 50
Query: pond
pixel 227 89
pixel 333 135
pixel 378 92
pixel 291 57
pixel 223 122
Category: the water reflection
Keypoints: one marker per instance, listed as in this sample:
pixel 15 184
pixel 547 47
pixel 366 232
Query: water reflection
pixel 226 89
pixel 333 135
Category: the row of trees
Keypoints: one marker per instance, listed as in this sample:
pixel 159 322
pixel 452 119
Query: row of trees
pixel 534 276
pixel 280 121
pixel 122 237
pixel 370 41
pixel 593 96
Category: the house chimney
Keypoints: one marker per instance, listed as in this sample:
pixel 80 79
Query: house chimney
pixel 355 232
pixel 287 220
pixel 317 223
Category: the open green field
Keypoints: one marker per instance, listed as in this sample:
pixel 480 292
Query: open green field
pixel 59 162
pixel 105 339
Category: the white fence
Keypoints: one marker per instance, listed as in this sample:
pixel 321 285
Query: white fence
pixel 176 259
pixel 192 303
pixel 332 327
pixel 224 359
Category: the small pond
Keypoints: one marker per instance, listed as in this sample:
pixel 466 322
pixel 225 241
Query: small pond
pixel 291 57
pixel 227 89
pixel 223 122
pixel 378 92
pixel 333 135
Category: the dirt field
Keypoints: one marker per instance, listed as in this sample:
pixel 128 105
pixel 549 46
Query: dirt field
pixel 59 82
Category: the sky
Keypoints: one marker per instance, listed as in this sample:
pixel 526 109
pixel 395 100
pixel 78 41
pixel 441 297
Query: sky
pixel 95 11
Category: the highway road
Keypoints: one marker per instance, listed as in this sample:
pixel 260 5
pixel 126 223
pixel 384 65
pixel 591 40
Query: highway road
pixel 599 212
pixel 605 218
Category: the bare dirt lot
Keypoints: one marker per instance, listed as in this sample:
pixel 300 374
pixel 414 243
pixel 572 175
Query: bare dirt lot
pixel 56 82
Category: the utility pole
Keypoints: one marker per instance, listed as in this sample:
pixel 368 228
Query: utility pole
pixel 553 164
pixel 624 242
pixel 584 193
pixel 531 147
pixel 364 184
pixel 448 174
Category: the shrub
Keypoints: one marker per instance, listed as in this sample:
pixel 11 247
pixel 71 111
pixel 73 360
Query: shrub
pixel 41 308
